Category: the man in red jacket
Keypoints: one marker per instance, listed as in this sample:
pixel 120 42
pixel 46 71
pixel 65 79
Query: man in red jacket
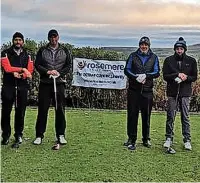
pixel 17 68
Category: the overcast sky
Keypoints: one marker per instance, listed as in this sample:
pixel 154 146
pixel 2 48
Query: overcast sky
pixel 99 23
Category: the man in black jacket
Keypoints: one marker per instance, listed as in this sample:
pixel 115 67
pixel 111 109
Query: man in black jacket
pixel 52 61
pixel 17 68
pixel 141 68
pixel 179 70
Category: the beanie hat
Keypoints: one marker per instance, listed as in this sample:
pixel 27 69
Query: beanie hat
pixel 180 43
pixel 146 40
pixel 52 32
pixel 18 34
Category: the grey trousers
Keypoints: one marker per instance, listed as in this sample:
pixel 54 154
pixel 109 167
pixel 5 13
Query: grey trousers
pixel 183 103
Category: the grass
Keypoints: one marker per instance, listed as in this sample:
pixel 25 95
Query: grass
pixel 94 152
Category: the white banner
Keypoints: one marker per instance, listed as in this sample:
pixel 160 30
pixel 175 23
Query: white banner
pixel 99 73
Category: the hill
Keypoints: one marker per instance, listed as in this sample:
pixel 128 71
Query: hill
pixel 193 50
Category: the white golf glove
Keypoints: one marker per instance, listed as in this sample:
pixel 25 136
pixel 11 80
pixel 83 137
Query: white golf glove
pixel 141 78
pixel 178 80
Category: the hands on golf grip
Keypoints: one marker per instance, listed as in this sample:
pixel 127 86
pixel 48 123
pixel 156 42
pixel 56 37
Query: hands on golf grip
pixel 141 78
pixel 20 75
pixel 53 73
pixel 181 77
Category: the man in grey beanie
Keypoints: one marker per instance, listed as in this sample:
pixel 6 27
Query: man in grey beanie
pixel 179 71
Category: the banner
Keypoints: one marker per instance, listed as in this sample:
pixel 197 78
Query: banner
pixel 99 73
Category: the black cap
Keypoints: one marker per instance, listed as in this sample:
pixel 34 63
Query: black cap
pixel 180 43
pixel 18 34
pixel 52 32
pixel 144 39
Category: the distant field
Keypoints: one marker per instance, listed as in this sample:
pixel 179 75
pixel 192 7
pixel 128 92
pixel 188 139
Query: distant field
pixel 193 50
pixel 94 152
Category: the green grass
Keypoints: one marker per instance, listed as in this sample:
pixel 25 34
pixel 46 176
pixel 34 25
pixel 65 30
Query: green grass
pixel 94 152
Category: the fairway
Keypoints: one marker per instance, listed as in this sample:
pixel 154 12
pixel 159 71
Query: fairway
pixel 95 151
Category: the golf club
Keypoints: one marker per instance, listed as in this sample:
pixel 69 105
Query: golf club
pixel 57 145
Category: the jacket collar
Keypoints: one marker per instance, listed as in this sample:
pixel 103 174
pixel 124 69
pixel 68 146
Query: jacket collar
pixel 149 53
pixel 179 58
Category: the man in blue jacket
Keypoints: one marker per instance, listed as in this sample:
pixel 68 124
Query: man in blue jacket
pixel 141 68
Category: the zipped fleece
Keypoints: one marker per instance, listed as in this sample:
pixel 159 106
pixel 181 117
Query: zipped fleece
pixel 171 71
pixel 47 59
pixel 138 63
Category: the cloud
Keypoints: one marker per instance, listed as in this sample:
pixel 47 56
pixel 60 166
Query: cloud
pixel 102 22
pixel 103 11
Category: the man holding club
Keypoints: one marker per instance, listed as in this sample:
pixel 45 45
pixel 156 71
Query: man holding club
pixel 179 71
pixel 17 69
pixel 141 68
pixel 53 62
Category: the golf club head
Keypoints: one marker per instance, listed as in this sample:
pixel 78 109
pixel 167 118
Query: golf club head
pixel 56 146
pixel 170 151
pixel 15 145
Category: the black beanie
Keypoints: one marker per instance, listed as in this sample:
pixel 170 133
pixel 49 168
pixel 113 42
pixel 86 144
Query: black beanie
pixel 18 34
pixel 180 43
pixel 146 40
pixel 52 32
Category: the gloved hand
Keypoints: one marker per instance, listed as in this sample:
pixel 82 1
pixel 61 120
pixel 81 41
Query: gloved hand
pixel 141 78
pixel 54 76
pixel 178 80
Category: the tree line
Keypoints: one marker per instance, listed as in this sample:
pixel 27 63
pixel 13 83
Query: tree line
pixel 81 97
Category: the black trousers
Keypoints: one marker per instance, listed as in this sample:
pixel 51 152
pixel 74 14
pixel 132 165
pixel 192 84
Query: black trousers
pixel 9 97
pixel 138 102
pixel 45 96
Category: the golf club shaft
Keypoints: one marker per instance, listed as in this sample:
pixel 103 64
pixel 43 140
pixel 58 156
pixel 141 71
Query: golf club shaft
pixel 176 102
pixel 55 92
pixel 16 88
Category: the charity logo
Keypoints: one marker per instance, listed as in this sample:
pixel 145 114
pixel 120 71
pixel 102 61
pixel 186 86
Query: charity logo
pixel 81 64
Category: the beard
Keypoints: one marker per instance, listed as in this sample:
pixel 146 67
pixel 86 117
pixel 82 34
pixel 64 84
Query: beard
pixel 17 46
pixel 179 56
